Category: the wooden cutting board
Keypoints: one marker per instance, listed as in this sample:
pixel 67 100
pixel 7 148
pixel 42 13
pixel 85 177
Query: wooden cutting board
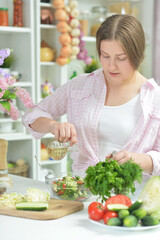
pixel 57 209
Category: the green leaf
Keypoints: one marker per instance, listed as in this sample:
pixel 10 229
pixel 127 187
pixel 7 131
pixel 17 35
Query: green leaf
pixel 6 94
pixel 12 96
pixel 6 105
pixel 109 177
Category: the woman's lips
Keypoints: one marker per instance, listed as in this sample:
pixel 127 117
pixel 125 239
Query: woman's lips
pixel 113 74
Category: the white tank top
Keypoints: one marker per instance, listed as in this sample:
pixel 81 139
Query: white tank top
pixel 116 125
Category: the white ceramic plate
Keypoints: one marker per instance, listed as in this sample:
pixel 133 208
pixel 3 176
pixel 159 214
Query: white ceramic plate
pixel 138 228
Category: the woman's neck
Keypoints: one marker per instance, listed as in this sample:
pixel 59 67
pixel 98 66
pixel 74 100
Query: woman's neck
pixel 122 93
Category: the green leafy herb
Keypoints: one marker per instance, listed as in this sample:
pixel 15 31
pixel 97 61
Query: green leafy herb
pixel 110 177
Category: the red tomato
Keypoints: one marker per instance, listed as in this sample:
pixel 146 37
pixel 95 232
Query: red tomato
pixel 120 199
pixel 108 215
pixel 96 211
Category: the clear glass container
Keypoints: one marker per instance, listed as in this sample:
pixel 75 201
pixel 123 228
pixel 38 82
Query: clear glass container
pixel 131 7
pixel 98 15
pixel 84 21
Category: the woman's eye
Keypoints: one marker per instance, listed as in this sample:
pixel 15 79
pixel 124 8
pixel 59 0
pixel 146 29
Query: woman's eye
pixel 122 59
pixel 105 56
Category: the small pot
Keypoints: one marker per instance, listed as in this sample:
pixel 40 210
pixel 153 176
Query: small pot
pixel 47 54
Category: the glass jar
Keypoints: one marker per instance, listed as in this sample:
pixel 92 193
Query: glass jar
pixel 130 7
pixel 3 16
pixel 84 21
pixel 18 13
pixel 98 15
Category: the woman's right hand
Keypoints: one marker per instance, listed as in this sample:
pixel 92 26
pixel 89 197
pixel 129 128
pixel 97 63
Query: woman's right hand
pixel 64 132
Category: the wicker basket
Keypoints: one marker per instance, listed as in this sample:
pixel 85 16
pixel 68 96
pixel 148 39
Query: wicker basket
pixel 19 170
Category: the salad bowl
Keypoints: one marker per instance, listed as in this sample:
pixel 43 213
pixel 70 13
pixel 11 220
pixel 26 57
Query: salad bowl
pixel 69 186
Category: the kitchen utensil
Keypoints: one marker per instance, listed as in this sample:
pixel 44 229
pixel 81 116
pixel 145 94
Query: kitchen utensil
pixel 57 209
pixel 58 150
pixel 48 173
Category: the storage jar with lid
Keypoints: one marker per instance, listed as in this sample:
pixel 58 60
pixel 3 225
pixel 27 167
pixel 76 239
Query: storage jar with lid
pixel 18 13
pixel 84 21
pixel 98 15
pixel 3 16
pixel 130 7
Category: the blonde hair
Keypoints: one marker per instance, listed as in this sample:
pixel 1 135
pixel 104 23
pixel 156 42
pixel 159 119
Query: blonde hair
pixel 128 31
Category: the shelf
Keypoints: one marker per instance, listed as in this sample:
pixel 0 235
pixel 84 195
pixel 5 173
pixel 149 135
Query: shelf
pixel 49 162
pixel 47 5
pixel 14 29
pixel 47 26
pixel 23 84
pixel 5 120
pixel 13 136
pixel 89 39
pixel 47 63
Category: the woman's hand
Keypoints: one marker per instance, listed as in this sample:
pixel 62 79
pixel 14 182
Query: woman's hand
pixel 144 160
pixel 121 156
pixel 64 132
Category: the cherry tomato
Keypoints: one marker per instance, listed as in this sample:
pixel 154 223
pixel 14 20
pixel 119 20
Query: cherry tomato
pixel 96 211
pixel 108 215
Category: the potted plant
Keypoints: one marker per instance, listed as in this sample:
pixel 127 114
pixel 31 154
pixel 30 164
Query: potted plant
pixel 8 92
pixel 8 61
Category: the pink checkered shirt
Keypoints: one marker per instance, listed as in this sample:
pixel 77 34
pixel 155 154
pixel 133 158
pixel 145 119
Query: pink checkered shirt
pixel 82 99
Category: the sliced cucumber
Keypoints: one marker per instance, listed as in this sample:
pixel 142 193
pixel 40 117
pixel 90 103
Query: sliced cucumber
pixel 116 207
pixel 135 205
pixel 32 206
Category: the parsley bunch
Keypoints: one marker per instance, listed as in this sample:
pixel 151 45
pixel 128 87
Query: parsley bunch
pixel 110 177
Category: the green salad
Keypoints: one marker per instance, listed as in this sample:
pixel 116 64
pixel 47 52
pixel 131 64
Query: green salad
pixel 70 188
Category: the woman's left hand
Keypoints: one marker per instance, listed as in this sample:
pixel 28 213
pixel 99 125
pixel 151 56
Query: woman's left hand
pixel 121 156
pixel 144 160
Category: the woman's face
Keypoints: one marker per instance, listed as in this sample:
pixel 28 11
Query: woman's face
pixel 115 63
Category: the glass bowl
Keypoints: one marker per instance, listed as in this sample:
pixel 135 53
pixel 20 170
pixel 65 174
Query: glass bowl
pixel 69 186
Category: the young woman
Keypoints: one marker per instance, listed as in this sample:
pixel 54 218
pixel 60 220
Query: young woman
pixel 111 109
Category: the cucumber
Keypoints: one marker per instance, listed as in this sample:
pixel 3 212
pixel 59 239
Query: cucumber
pixel 123 213
pixel 135 205
pixel 149 221
pixel 139 213
pixel 130 221
pixel 32 206
pixel 115 221
pixel 116 207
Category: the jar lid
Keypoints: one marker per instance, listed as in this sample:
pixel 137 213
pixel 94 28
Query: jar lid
pixel 5 9
pixel 99 9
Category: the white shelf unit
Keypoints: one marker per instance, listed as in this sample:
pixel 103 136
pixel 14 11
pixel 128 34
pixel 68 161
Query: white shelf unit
pixel 21 40
pixel 50 71
pixel 25 42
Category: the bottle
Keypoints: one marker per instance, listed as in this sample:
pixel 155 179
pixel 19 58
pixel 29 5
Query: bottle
pixel 97 17
pixel 3 158
pixel 3 16
pixel 18 13
pixel 84 21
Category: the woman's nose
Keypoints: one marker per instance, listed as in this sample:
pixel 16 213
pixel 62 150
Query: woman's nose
pixel 112 64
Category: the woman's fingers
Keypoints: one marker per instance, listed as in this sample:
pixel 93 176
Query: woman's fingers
pixel 122 156
pixel 65 132
pixel 73 139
